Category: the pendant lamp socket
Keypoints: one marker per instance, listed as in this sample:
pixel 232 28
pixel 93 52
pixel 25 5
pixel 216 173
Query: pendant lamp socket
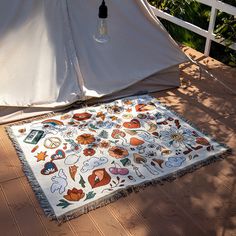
pixel 103 11
pixel 101 35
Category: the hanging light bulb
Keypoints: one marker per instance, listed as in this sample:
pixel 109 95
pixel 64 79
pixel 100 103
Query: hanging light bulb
pixel 101 34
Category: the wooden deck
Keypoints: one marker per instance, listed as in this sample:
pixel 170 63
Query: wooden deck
pixel 199 203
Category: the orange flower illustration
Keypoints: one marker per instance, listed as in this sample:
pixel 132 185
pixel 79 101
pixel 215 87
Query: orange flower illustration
pixel 101 115
pixel 74 194
pixel 85 139
pixel 118 152
pixel 104 144
pixel 128 102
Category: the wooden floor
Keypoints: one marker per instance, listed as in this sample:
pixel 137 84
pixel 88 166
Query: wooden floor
pixel 199 203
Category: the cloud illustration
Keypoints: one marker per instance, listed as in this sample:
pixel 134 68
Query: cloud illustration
pixel 92 163
pixel 175 161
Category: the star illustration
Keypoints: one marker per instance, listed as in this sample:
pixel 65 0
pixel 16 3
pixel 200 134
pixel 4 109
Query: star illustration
pixel 128 110
pixel 41 156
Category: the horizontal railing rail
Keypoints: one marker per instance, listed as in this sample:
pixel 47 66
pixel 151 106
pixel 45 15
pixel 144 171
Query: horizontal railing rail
pixel 216 6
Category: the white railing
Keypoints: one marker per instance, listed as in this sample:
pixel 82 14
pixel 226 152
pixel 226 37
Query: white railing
pixel 215 5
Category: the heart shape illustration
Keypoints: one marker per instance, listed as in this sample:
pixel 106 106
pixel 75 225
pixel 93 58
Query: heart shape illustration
pixel 49 168
pixel 99 178
pixel 133 124
pixel 82 116
pixel 59 154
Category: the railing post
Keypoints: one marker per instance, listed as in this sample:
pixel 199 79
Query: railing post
pixel 211 28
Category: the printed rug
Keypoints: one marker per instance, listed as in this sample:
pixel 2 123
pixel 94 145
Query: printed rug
pixel 83 159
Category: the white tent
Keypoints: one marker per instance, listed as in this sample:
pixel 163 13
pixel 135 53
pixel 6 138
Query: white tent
pixel 49 59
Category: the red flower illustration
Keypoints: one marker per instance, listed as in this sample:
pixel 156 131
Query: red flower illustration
pixel 89 151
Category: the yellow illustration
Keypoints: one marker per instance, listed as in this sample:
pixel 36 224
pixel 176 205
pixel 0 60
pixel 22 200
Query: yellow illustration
pixel 41 156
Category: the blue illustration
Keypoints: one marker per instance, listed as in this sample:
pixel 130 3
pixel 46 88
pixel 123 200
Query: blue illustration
pixel 49 168
pixel 175 161
pixel 59 183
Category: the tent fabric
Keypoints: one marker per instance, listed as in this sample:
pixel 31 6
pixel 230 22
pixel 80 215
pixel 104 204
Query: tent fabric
pixel 48 57
pixel 153 83
pixel 163 80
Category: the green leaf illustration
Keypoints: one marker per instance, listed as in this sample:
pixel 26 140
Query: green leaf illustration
pixel 116 141
pixel 82 182
pixel 63 203
pixel 93 126
pixel 71 141
pixel 90 195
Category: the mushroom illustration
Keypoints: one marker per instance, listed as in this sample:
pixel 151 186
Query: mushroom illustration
pixel 138 159
pixel 118 134
pixel 165 151
pixel 158 162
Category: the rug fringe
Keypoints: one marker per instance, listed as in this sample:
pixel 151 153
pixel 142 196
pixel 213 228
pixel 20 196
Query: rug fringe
pixel 190 123
pixel 48 210
pixel 125 192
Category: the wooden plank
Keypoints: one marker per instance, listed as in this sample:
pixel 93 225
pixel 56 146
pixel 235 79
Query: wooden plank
pixel 8 158
pixel 22 209
pixel 53 228
pixel 107 223
pixel 11 169
pixel 84 226
pixel 164 215
pixel 202 197
pixel 131 221
pixel 206 197
pixel 8 225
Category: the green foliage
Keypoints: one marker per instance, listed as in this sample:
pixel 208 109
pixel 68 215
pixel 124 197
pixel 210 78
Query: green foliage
pixel 230 2
pixel 226 28
pixel 199 14
pixel 188 10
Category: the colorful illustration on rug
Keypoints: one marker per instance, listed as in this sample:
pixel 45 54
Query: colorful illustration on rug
pixel 86 157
